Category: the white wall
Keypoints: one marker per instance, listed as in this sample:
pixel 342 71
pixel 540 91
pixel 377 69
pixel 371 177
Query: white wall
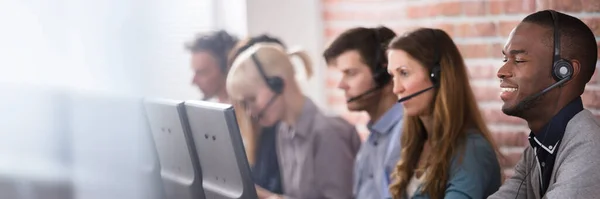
pixel 297 23
pixel 124 47
pixel 171 24
pixel 128 47
pixel 231 16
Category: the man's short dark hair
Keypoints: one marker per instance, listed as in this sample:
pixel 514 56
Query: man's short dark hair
pixel 364 40
pixel 577 39
pixel 218 43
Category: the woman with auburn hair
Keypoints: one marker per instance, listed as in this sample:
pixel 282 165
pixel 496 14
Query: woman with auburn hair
pixel 447 150
pixel 316 152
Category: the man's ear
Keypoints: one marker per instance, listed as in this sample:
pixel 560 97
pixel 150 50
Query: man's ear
pixel 576 70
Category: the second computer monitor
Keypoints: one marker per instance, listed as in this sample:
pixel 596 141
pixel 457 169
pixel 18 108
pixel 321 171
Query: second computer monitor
pixel 225 169
pixel 180 170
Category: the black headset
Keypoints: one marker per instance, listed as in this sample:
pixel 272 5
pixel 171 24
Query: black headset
pixel 561 67
pixel 379 65
pixel 275 83
pixel 436 69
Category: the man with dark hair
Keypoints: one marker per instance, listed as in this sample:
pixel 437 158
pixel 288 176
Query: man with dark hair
pixel 549 58
pixel 360 54
pixel 209 62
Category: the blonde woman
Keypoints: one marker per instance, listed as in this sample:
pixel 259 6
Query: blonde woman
pixel 315 152
pixel 259 141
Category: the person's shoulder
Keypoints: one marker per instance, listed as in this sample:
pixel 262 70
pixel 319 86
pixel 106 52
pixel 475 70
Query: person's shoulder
pixel 477 151
pixel 583 125
pixel 476 141
pixel 331 123
pixel 581 135
pixel 334 127
pixel 475 164
pixel 322 122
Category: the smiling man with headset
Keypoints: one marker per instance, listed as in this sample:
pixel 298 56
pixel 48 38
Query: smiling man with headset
pixel 360 54
pixel 549 58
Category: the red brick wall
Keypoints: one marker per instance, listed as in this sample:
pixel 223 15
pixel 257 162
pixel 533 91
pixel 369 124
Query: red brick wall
pixel 480 29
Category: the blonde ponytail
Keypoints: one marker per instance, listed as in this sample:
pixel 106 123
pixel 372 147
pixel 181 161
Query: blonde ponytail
pixel 303 55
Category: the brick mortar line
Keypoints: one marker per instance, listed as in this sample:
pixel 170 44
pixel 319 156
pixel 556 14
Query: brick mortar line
pixel 361 6
pixel 508 132
pixel 507 128
pixel 512 149
pixel 391 5
pixel 354 6
pixel 481 61
pixel 487 40
pixel 480 40
pixel 491 104
pixel 593 87
pixel 427 21
pixel 495 82
pixel 491 61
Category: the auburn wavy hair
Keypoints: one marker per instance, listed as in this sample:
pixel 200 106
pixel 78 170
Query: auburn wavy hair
pixel 454 111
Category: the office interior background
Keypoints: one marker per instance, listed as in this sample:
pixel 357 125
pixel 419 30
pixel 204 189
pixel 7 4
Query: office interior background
pixel 59 59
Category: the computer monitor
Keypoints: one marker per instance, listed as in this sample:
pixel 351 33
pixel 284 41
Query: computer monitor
pixel 226 173
pixel 180 169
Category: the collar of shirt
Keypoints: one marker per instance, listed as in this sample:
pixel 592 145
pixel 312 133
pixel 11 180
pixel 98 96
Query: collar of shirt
pixel 391 118
pixel 551 133
pixel 303 124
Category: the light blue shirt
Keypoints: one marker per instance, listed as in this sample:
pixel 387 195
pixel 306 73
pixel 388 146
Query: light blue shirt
pixel 378 156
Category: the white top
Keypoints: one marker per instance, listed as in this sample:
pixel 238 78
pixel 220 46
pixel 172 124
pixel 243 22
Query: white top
pixel 413 185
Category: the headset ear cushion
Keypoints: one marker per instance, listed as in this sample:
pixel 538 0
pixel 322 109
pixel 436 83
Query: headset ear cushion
pixel 562 69
pixel 435 74
pixel 276 84
pixel 381 77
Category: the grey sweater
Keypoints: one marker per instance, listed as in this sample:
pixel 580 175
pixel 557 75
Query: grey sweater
pixel 576 172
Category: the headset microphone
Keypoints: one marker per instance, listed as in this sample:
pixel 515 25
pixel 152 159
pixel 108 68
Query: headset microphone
pixel 414 94
pixel 264 109
pixel 363 94
pixel 533 97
